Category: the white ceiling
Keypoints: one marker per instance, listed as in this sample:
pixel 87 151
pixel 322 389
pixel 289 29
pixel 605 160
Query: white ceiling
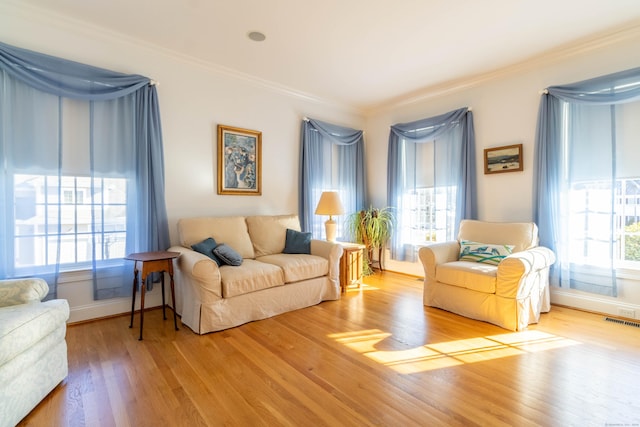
pixel 360 53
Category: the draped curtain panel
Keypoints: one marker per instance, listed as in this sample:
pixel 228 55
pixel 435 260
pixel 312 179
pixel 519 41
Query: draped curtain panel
pixel 331 158
pixel 84 143
pixel 437 153
pixel 584 152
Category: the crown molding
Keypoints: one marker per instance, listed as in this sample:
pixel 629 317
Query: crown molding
pixel 585 45
pixel 60 21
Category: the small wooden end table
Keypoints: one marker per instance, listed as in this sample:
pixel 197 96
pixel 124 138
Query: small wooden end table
pixel 351 265
pixel 147 263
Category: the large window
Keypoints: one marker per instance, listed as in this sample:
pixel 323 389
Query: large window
pixel 588 181
pixel 431 171
pixel 332 159
pixel 602 203
pixel 66 214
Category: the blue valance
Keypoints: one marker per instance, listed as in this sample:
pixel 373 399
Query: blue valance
pixel 66 78
pixel 114 121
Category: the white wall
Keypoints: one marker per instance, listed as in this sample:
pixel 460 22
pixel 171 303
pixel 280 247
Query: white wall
pixel 505 108
pixel 194 99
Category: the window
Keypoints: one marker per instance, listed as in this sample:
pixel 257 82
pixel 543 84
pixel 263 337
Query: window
pixel 589 232
pixel 431 180
pixel 426 215
pixel 67 214
pixel 602 204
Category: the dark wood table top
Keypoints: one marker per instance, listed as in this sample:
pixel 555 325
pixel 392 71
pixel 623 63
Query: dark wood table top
pixel 152 256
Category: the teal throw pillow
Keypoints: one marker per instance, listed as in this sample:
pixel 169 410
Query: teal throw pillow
pixel 206 247
pixel 297 242
pixel 228 255
pixel 483 252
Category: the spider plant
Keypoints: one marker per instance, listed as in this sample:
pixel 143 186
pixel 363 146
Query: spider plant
pixel 371 227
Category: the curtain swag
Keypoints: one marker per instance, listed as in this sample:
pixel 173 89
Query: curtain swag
pixel 125 138
pixel 331 157
pixel 566 112
pixel 453 172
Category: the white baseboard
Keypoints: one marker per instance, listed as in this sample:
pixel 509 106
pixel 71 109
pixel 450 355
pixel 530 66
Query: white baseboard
pixel 594 303
pixel 111 307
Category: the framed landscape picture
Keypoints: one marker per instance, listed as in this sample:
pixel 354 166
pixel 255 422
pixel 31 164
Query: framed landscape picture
pixel 239 161
pixel 503 159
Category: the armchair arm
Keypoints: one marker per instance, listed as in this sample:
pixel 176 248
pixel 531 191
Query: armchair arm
pixel 438 253
pixel 520 271
pixel 22 291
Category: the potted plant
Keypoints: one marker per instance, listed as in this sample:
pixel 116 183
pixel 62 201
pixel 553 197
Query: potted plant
pixel 372 228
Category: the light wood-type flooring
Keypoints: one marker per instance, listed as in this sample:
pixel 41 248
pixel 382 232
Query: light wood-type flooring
pixel 375 357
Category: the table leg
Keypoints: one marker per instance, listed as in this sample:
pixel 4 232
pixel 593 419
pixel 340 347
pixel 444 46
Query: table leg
pixel 143 288
pixel 173 301
pixel 133 298
pixel 164 315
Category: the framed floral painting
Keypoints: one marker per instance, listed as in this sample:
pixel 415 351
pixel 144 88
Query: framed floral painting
pixel 239 161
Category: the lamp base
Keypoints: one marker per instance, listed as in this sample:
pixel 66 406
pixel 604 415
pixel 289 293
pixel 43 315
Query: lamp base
pixel 331 227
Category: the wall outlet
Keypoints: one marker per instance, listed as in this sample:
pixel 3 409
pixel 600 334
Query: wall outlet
pixel 626 312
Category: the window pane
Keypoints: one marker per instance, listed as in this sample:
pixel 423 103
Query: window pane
pixel 75 226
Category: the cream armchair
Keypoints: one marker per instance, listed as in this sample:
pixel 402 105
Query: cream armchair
pixel 33 350
pixel 511 294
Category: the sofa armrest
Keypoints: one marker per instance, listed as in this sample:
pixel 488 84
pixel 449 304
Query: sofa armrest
pixel 438 253
pixel 199 270
pixel 332 252
pixel 22 291
pixel 520 271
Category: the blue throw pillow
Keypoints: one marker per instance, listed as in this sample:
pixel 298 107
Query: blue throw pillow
pixel 297 242
pixel 206 247
pixel 227 255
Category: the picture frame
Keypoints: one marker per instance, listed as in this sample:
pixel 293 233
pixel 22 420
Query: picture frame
pixel 507 158
pixel 239 161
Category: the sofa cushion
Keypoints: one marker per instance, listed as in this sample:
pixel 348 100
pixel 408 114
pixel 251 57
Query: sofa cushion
pixel 252 276
pixel 484 252
pixel 231 230
pixel 470 275
pixel 298 267
pixel 227 255
pixel 206 247
pixel 297 242
pixel 22 326
pixel 268 232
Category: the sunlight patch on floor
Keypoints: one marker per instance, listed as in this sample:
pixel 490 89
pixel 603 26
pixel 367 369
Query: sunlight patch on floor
pixel 449 353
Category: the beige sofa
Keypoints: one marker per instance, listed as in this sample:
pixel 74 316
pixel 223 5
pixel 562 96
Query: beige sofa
pixel 268 282
pixel 511 294
pixel 33 350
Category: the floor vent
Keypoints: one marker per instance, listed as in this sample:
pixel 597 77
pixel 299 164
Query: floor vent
pixel 622 322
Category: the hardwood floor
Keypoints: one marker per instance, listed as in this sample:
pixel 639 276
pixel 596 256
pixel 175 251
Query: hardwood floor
pixel 376 357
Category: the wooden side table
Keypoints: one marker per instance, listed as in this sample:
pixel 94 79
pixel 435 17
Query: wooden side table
pixel 147 263
pixel 351 265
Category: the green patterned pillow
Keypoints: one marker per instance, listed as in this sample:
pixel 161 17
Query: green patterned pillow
pixel 484 252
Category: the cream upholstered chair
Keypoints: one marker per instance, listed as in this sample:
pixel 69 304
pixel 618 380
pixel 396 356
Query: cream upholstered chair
pixel 33 350
pixel 494 272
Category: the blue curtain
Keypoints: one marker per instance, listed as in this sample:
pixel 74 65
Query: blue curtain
pixel 437 152
pixel 331 158
pixel 580 144
pixel 60 118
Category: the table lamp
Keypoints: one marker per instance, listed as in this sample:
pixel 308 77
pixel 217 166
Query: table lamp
pixel 330 204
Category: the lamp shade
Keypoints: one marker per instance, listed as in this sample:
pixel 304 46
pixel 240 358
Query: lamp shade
pixel 329 204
